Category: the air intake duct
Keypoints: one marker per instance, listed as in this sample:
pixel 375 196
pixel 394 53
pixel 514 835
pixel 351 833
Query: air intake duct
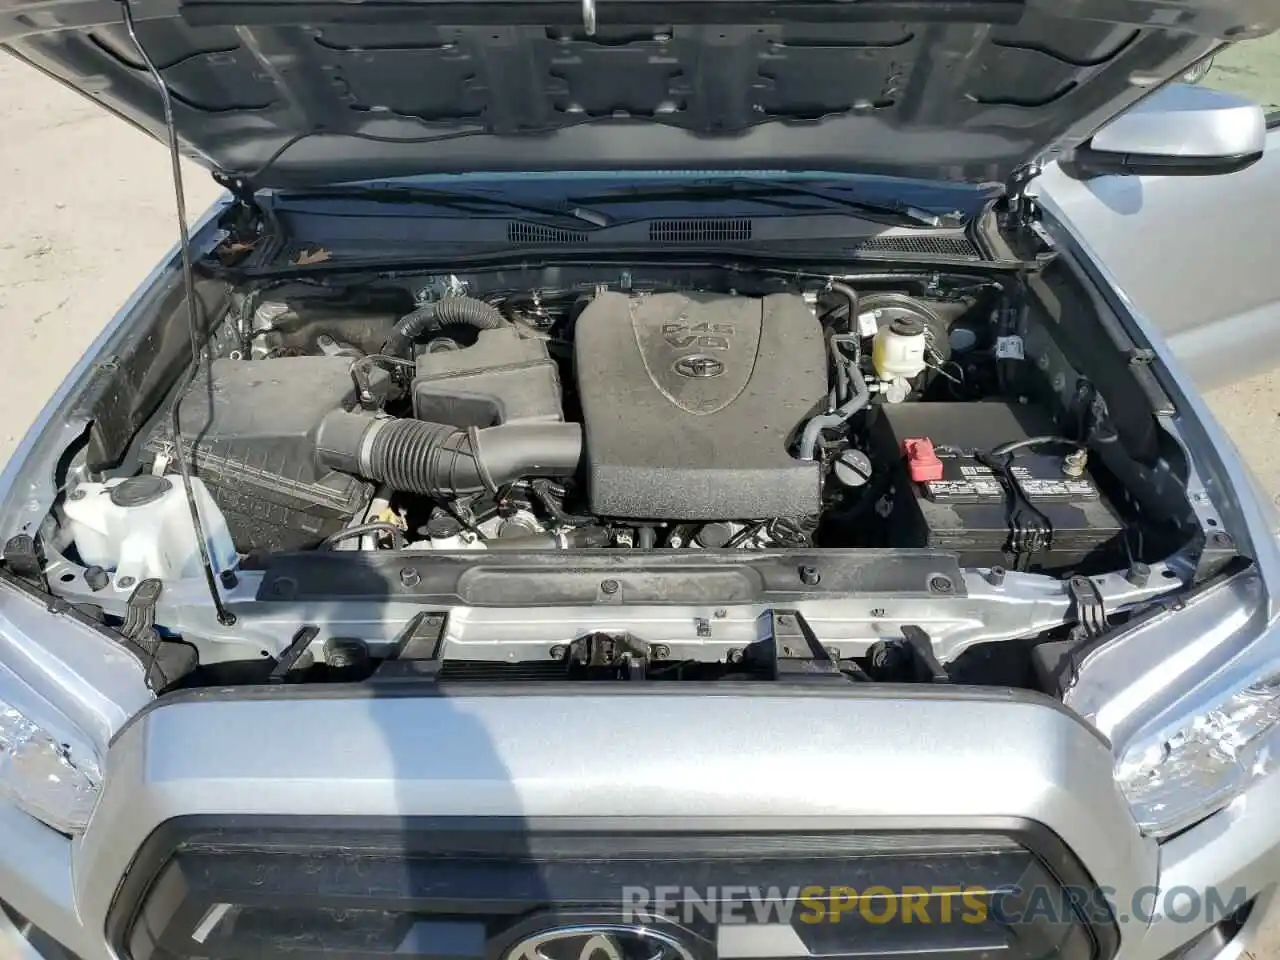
pixel 440 460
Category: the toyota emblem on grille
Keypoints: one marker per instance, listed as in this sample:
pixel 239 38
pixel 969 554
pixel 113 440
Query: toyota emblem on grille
pixel 600 942
pixel 699 367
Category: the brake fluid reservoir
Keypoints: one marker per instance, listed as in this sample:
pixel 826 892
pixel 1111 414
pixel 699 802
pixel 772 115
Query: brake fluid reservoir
pixel 140 527
pixel 899 349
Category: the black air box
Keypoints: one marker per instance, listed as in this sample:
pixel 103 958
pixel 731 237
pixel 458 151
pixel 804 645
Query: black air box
pixel 254 449
pixel 690 403
pixel 966 510
pixel 501 378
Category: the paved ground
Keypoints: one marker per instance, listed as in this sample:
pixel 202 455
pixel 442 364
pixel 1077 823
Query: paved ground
pixel 88 212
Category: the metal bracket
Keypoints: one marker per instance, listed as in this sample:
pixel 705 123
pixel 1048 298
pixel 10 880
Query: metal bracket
pixel 619 651
pixel 238 187
pixel 793 650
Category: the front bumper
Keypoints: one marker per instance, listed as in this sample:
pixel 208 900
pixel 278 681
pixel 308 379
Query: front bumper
pixel 686 759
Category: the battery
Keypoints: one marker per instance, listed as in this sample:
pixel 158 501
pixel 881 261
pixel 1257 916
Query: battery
pixel 956 503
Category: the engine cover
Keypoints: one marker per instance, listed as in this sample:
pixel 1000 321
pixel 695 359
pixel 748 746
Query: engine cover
pixel 689 403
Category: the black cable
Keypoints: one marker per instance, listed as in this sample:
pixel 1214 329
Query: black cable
pixel 1045 440
pixel 360 529
pixel 225 616
pixel 1030 529
pixel 745 534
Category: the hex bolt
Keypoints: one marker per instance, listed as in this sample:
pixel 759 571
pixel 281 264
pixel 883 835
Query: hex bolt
pixel 1139 574
pixel 833 653
pixel 941 584
pixel 410 577
pixel 995 576
pixel 660 651
pixel 558 651
pixel 1221 540
pixel 609 587
pixel 125 582
pixel 96 578
pixel 229 579
pixel 810 576
pixel 76 494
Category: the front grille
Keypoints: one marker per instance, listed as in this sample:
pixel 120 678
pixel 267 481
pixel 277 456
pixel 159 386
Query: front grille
pixel 700 230
pixel 446 890
pixel 949 246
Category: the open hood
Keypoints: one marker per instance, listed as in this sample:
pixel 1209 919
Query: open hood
pixel 290 92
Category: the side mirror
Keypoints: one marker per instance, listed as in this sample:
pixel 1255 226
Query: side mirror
pixel 1178 131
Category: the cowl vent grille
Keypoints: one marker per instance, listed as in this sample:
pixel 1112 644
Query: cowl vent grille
pixel 701 230
pixel 539 233
pixel 956 246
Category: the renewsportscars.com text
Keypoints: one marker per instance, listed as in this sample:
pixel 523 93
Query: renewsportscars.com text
pixel 943 904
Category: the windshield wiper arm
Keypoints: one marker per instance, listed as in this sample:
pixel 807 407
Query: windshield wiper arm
pixel 448 199
pixel 773 193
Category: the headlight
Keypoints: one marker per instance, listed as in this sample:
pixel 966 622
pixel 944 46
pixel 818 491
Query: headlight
pixel 42 777
pixel 1191 703
pixel 1202 766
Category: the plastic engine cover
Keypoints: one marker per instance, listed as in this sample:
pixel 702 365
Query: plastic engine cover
pixel 690 402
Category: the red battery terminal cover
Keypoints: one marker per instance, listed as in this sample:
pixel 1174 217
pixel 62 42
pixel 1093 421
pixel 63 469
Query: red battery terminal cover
pixel 922 463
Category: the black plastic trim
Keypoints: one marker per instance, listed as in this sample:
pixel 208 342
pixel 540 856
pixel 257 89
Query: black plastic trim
pixel 1088 163
pixel 541 579
pixel 1040 841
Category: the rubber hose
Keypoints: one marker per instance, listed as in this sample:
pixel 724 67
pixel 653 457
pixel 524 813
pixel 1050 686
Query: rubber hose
pixel 581 538
pixel 851 295
pixel 440 315
pixel 442 461
pixel 829 421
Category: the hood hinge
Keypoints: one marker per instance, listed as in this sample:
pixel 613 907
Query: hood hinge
pixel 238 187
pixel 1023 208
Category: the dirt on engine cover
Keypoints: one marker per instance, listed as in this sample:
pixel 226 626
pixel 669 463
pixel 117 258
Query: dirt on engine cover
pixel 689 403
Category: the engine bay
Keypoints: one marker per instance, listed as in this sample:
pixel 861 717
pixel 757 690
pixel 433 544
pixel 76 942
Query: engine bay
pixel 532 451
pixel 645 418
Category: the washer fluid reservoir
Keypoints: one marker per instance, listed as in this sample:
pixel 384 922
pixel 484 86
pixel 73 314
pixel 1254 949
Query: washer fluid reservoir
pixel 140 527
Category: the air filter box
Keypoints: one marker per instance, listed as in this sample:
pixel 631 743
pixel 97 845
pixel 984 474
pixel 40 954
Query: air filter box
pixel 247 426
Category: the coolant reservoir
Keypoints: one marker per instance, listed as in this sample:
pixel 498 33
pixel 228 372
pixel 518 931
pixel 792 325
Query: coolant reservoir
pixel 140 527
pixel 899 349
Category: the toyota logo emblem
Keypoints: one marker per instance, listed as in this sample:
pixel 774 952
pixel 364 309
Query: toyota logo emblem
pixel 600 942
pixel 699 367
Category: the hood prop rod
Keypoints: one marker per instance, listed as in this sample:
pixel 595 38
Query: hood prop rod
pixel 225 616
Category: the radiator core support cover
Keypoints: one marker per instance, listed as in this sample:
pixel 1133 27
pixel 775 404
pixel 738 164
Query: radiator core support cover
pixel 690 404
